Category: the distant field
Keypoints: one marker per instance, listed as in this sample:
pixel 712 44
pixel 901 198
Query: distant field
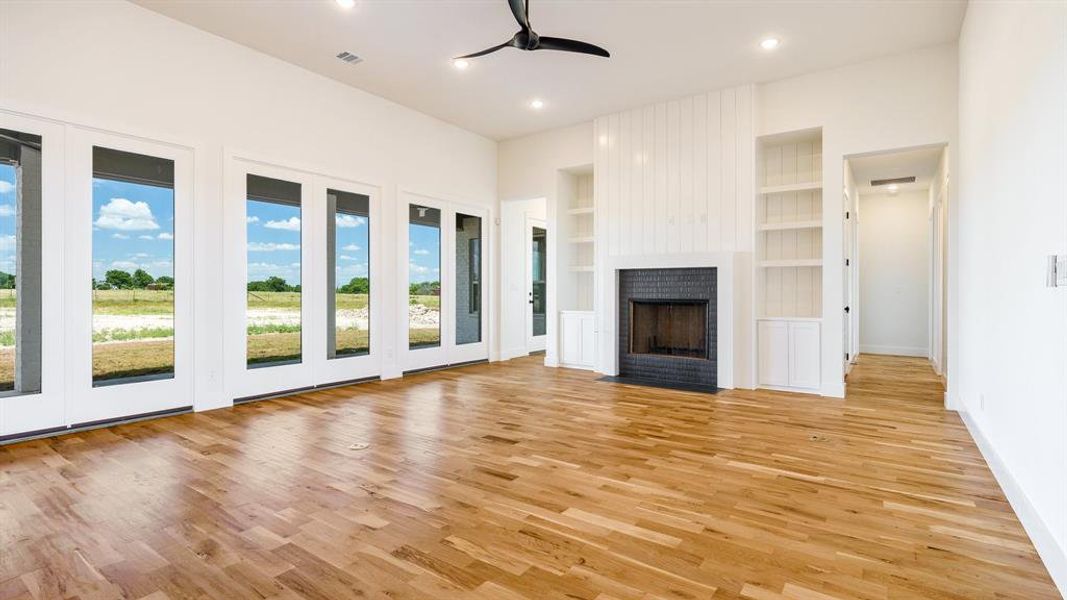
pixel 142 346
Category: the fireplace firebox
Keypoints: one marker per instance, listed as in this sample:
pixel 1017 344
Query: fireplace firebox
pixel 667 327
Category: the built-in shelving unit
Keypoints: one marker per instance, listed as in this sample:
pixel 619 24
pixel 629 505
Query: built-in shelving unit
pixel 789 260
pixel 577 230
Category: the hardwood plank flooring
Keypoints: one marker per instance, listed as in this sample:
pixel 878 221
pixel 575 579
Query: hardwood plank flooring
pixel 514 481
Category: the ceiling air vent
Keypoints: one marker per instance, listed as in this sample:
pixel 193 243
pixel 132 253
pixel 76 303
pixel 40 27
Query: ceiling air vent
pixel 349 58
pixel 877 182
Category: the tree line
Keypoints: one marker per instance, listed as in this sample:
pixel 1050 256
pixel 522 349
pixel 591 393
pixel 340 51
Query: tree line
pixel 117 279
pixel 357 285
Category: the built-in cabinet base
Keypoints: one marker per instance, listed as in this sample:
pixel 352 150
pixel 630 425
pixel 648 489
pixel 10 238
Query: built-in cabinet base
pixel 577 334
pixel 788 354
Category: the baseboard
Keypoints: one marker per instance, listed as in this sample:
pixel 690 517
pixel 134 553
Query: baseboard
pixel 833 390
pixel 894 350
pixel 1052 554
pixel 511 353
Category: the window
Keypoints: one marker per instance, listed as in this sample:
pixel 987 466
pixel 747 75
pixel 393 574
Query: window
pixel 348 274
pixel 273 298
pixel 424 276
pixel 468 279
pixel 133 267
pixel 20 263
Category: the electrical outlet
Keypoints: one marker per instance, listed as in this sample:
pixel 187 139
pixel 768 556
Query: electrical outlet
pixel 1056 273
pixel 981 401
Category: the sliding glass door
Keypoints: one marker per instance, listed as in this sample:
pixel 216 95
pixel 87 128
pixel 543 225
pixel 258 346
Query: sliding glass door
pixel 444 297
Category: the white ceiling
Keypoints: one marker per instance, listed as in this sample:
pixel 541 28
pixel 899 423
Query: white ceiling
pixel 660 49
pixel 921 162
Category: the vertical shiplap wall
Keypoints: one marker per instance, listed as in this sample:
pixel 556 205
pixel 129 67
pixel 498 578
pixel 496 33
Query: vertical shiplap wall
pixel 677 177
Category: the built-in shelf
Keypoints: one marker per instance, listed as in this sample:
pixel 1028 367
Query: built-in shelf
pixel 792 262
pixel 585 210
pixel 791 187
pixel 588 239
pixel 813 224
pixel 581 268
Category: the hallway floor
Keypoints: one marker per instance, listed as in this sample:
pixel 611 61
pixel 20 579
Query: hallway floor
pixel 512 480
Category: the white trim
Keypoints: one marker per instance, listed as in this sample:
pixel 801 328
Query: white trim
pixel 1052 554
pixel 894 350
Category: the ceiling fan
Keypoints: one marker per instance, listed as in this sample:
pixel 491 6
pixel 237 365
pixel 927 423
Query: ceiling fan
pixel 527 39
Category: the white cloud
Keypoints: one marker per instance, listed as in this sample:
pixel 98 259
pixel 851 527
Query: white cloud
pixel 347 257
pixel 145 237
pixel 124 215
pixel 7 242
pixel 252 219
pixel 120 236
pixel 166 236
pixel 6 187
pixel 420 251
pixel 347 221
pixel 352 248
pixel 124 265
pixel 419 269
pixel 271 247
pixel 292 224
pixel 6 210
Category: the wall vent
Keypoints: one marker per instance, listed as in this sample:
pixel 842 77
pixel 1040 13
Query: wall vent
pixel 349 58
pixel 877 182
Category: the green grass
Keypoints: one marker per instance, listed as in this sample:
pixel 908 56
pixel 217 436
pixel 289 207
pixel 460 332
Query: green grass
pixel 125 335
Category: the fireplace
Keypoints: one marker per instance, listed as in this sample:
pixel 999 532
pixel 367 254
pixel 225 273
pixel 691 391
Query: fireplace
pixel 667 327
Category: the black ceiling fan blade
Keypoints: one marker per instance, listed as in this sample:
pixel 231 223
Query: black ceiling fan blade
pixel 565 45
pixel 521 15
pixel 486 51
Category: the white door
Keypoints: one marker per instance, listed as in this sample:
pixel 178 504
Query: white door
pixel 129 236
pixel 32 389
pixel 444 285
pixel 536 284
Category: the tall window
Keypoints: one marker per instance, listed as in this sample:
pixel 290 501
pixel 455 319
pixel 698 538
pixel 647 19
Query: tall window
pixel 20 263
pixel 273 307
pixel 348 274
pixel 468 279
pixel 133 267
pixel 424 276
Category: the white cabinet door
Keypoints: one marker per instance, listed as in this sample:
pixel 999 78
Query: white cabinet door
pixel 588 354
pixel 804 354
pixel 773 346
pixel 570 329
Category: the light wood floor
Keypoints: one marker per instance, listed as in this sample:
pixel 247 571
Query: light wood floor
pixel 511 481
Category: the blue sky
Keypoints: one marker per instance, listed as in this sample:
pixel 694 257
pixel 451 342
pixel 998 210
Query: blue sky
pixel 273 241
pixel 7 218
pixel 424 253
pixel 133 228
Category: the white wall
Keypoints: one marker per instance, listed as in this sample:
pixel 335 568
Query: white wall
pixel 1011 363
pixel 116 66
pixel 902 101
pixel 894 264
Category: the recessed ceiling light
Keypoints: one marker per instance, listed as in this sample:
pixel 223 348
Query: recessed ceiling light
pixel 537 104
pixel 461 64
pixel 770 43
pixel 893 188
pixel 346 3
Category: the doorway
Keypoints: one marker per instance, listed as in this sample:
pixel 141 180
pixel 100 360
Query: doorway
pixel 894 267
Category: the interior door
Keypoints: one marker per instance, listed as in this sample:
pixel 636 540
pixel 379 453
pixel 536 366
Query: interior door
pixel 536 284
pixel 129 267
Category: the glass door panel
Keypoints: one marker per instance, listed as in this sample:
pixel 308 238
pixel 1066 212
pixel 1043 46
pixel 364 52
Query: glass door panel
pixel 133 267
pixel 424 277
pixel 348 274
pixel 538 280
pixel 273 305
pixel 468 246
